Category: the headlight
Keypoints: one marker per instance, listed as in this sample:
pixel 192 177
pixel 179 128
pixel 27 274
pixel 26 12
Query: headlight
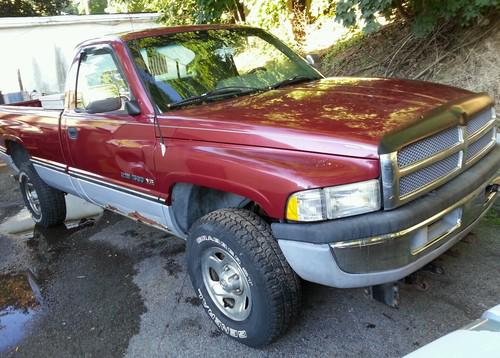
pixel 334 202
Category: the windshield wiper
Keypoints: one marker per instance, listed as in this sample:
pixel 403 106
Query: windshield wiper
pixel 216 93
pixel 291 80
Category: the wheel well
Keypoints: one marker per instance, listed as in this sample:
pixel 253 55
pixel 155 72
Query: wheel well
pixel 17 152
pixel 190 202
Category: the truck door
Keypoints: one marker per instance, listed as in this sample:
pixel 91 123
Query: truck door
pixel 110 146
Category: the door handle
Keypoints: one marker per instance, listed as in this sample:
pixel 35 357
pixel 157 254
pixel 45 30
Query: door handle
pixel 72 132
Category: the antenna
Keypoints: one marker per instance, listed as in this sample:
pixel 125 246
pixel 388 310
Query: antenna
pixel 163 147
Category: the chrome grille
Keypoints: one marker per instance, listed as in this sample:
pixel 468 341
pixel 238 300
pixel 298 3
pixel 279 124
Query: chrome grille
pixel 478 122
pixel 430 162
pixel 428 147
pixel 483 142
pixel 427 175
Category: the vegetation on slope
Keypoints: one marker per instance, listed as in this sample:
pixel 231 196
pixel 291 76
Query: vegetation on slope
pixel 451 54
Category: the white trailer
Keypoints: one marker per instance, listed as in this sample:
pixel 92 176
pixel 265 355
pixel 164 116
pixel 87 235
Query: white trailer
pixel 36 51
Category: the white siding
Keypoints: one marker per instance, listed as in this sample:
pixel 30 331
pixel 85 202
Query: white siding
pixel 42 47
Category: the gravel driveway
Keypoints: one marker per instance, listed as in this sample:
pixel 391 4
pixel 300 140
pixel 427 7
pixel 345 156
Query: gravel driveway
pixel 109 287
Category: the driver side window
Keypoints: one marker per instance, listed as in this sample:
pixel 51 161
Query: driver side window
pixel 101 86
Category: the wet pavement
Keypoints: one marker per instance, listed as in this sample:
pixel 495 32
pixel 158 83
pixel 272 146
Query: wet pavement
pixel 105 286
pixel 19 301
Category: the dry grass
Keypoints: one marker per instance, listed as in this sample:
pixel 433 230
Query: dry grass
pixel 463 57
pixel 476 68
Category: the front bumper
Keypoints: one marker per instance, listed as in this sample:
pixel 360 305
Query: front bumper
pixel 386 246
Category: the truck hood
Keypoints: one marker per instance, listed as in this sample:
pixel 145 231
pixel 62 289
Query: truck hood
pixel 342 116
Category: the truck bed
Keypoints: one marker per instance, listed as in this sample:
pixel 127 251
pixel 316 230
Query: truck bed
pixel 30 103
pixel 32 126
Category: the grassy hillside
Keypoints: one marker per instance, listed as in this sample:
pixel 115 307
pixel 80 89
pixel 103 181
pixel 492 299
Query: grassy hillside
pixel 464 57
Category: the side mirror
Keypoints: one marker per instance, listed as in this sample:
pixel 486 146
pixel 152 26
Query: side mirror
pixel 104 98
pixel 104 105
pixel 313 59
pixel 133 108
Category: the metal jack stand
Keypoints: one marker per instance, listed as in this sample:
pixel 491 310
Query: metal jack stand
pixel 387 293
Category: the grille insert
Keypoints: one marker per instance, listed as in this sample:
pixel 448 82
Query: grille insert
pixel 428 147
pixel 476 147
pixel 427 175
pixel 424 165
pixel 478 122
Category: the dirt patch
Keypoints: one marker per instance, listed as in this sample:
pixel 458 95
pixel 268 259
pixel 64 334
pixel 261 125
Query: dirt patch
pixel 215 333
pixel 195 301
pixel 130 233
pixel 16 292
pixel 493 217
pixel 175 247
pixel 173 267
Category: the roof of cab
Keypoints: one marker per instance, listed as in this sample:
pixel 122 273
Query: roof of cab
pixel 156 31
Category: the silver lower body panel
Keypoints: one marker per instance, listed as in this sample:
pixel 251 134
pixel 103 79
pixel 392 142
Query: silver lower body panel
pixel 388 258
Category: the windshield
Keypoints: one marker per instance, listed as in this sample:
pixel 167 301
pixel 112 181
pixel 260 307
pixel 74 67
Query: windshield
pixel 213 64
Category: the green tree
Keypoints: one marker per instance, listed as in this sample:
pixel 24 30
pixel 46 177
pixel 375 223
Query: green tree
pixel 270 14
pixel 425 14
pixel 210 11
pixel 16 8
pixel 88 7
pixel 177 12
pixel 98 6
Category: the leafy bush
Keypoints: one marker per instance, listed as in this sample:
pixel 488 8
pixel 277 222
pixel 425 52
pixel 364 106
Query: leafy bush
pixel 10 8
pixel 425 14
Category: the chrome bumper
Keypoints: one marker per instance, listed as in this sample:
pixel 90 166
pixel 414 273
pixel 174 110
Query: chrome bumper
pixel 390 257
pixel 406 246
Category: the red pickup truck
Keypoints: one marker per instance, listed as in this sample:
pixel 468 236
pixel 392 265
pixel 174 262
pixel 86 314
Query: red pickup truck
pixel 223 136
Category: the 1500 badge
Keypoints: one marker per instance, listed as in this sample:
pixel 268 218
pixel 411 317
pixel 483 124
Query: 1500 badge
pixel 137 178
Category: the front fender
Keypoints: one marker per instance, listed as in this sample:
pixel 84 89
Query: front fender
pixel 266 176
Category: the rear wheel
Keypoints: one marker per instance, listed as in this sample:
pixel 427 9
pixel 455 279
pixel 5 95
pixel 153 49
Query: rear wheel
pixel 46 205
pixel 240 274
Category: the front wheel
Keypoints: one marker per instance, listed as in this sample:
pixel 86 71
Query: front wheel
pixel 241 276
pixel 46 205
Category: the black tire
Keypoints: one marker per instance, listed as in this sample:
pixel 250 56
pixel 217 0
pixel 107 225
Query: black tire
pixel 274 287
pixel 51 209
